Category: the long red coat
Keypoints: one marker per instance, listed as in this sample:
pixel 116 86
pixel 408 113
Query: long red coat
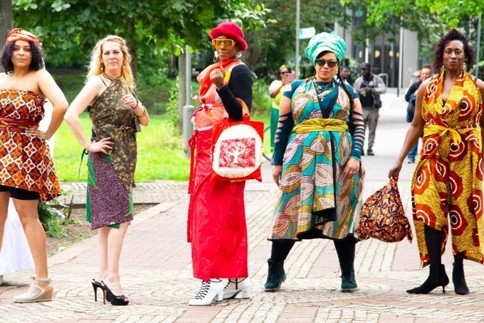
pixel 217 226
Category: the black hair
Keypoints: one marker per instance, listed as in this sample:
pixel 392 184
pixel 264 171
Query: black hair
pixel 36 64
pixel 451 35
pixel 345 88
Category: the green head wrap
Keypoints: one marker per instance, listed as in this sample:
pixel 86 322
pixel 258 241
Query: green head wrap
pixel 326 42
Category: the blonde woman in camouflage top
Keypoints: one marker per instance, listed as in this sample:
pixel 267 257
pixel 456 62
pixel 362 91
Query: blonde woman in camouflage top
pixel 115 112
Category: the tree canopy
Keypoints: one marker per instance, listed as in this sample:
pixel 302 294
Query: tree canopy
pixel 447 12
pixel 157 30
pixel 152 28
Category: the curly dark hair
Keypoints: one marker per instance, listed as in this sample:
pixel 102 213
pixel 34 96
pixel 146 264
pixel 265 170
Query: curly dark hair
pixel 36 64
pixel 451 35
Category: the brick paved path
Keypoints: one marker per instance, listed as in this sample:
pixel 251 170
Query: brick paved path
pixel 157 277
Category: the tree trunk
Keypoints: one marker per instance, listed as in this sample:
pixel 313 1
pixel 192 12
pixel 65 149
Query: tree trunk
pixel 131 42
pixel 5 20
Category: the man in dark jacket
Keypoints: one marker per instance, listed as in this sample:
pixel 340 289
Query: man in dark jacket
pixel 369 88
pixel 424 74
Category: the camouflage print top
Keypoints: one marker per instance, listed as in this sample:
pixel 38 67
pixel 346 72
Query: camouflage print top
pixel 112 119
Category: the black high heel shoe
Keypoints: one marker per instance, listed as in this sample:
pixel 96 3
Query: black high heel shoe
pixel 437 278
pixel 95 286
pixel 115 300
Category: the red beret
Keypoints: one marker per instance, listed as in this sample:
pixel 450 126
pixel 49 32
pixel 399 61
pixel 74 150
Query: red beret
pixel 230 30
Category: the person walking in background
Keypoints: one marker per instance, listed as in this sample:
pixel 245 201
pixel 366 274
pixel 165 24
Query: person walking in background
pixel 115 112
pixel 447 182
pixel 317 163
pixel 369 88
pixel 217 228
pixel 346 74
pixel 28 173
pixel 410 97
pixel 276 88
pixel 414 78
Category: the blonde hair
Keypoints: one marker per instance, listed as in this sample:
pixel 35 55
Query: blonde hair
pixel 96 66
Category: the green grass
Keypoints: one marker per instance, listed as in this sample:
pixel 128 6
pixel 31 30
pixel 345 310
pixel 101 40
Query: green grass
pixel 160 153
pixel 160 146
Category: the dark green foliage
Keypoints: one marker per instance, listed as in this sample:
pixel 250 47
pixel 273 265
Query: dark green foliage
pixel 51 219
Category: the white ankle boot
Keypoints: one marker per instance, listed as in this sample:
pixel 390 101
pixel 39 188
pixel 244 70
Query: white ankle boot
pixel 235 286
pixel 210 290
pixel 39 291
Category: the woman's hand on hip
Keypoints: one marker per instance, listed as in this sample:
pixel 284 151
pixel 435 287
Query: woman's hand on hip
pixel 36 132
pixel 102 146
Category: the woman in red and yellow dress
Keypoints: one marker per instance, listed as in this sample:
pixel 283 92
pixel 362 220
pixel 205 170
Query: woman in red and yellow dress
pixel 447 183
pixel 27 172
pixel 217 229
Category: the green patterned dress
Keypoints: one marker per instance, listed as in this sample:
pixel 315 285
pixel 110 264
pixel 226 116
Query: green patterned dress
pixel 316 200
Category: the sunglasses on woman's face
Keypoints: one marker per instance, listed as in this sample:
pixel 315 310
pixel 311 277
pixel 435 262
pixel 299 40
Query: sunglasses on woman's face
pixel 322 62
pixel 285 72
pixel 227 43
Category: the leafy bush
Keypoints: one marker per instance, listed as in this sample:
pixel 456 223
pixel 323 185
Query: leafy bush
pixel 261 101
pixel 51 220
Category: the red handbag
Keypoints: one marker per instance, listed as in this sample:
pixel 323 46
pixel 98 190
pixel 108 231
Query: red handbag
pixel 237 148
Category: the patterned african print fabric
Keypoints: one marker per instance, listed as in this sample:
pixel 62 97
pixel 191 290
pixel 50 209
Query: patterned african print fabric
pixel 447 183
pixel 111 177
pixel 316 201
pixel 25 160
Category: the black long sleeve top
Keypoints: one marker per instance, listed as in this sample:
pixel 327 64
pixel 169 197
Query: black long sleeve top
pixel 239 86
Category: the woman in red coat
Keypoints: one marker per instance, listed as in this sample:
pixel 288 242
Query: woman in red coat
pixel 216 216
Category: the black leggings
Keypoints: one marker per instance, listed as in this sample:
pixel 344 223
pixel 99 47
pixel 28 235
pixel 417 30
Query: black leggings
pixel 280 249
pixel 20 194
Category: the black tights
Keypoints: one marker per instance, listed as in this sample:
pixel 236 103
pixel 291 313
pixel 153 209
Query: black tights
pixel 433 239
pixel 345 249
pixel 280 249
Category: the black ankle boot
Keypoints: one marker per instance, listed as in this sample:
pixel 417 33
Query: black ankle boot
pixel 437 277
pixel 345 250
pixel 459 280
pixel 275 276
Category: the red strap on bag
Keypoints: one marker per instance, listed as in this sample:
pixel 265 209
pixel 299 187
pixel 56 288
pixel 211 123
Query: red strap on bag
pixel 237 148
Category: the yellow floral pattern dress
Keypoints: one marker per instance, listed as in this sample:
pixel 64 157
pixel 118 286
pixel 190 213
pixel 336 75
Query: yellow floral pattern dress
pixel 447 183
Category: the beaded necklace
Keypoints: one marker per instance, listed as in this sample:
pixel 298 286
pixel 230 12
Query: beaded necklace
pixel 320 91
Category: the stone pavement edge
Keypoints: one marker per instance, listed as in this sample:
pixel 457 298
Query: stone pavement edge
pixel 157 275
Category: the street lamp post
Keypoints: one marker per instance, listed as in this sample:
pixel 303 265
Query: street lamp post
pixel 297 38
pixel 478 47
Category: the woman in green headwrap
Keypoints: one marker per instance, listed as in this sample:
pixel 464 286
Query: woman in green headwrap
pixel 317 163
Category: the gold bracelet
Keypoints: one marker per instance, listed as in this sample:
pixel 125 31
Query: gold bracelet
pixel 143 114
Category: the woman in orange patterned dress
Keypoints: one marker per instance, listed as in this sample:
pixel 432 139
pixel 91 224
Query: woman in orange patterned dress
pixel 27 172
pixel 447 183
